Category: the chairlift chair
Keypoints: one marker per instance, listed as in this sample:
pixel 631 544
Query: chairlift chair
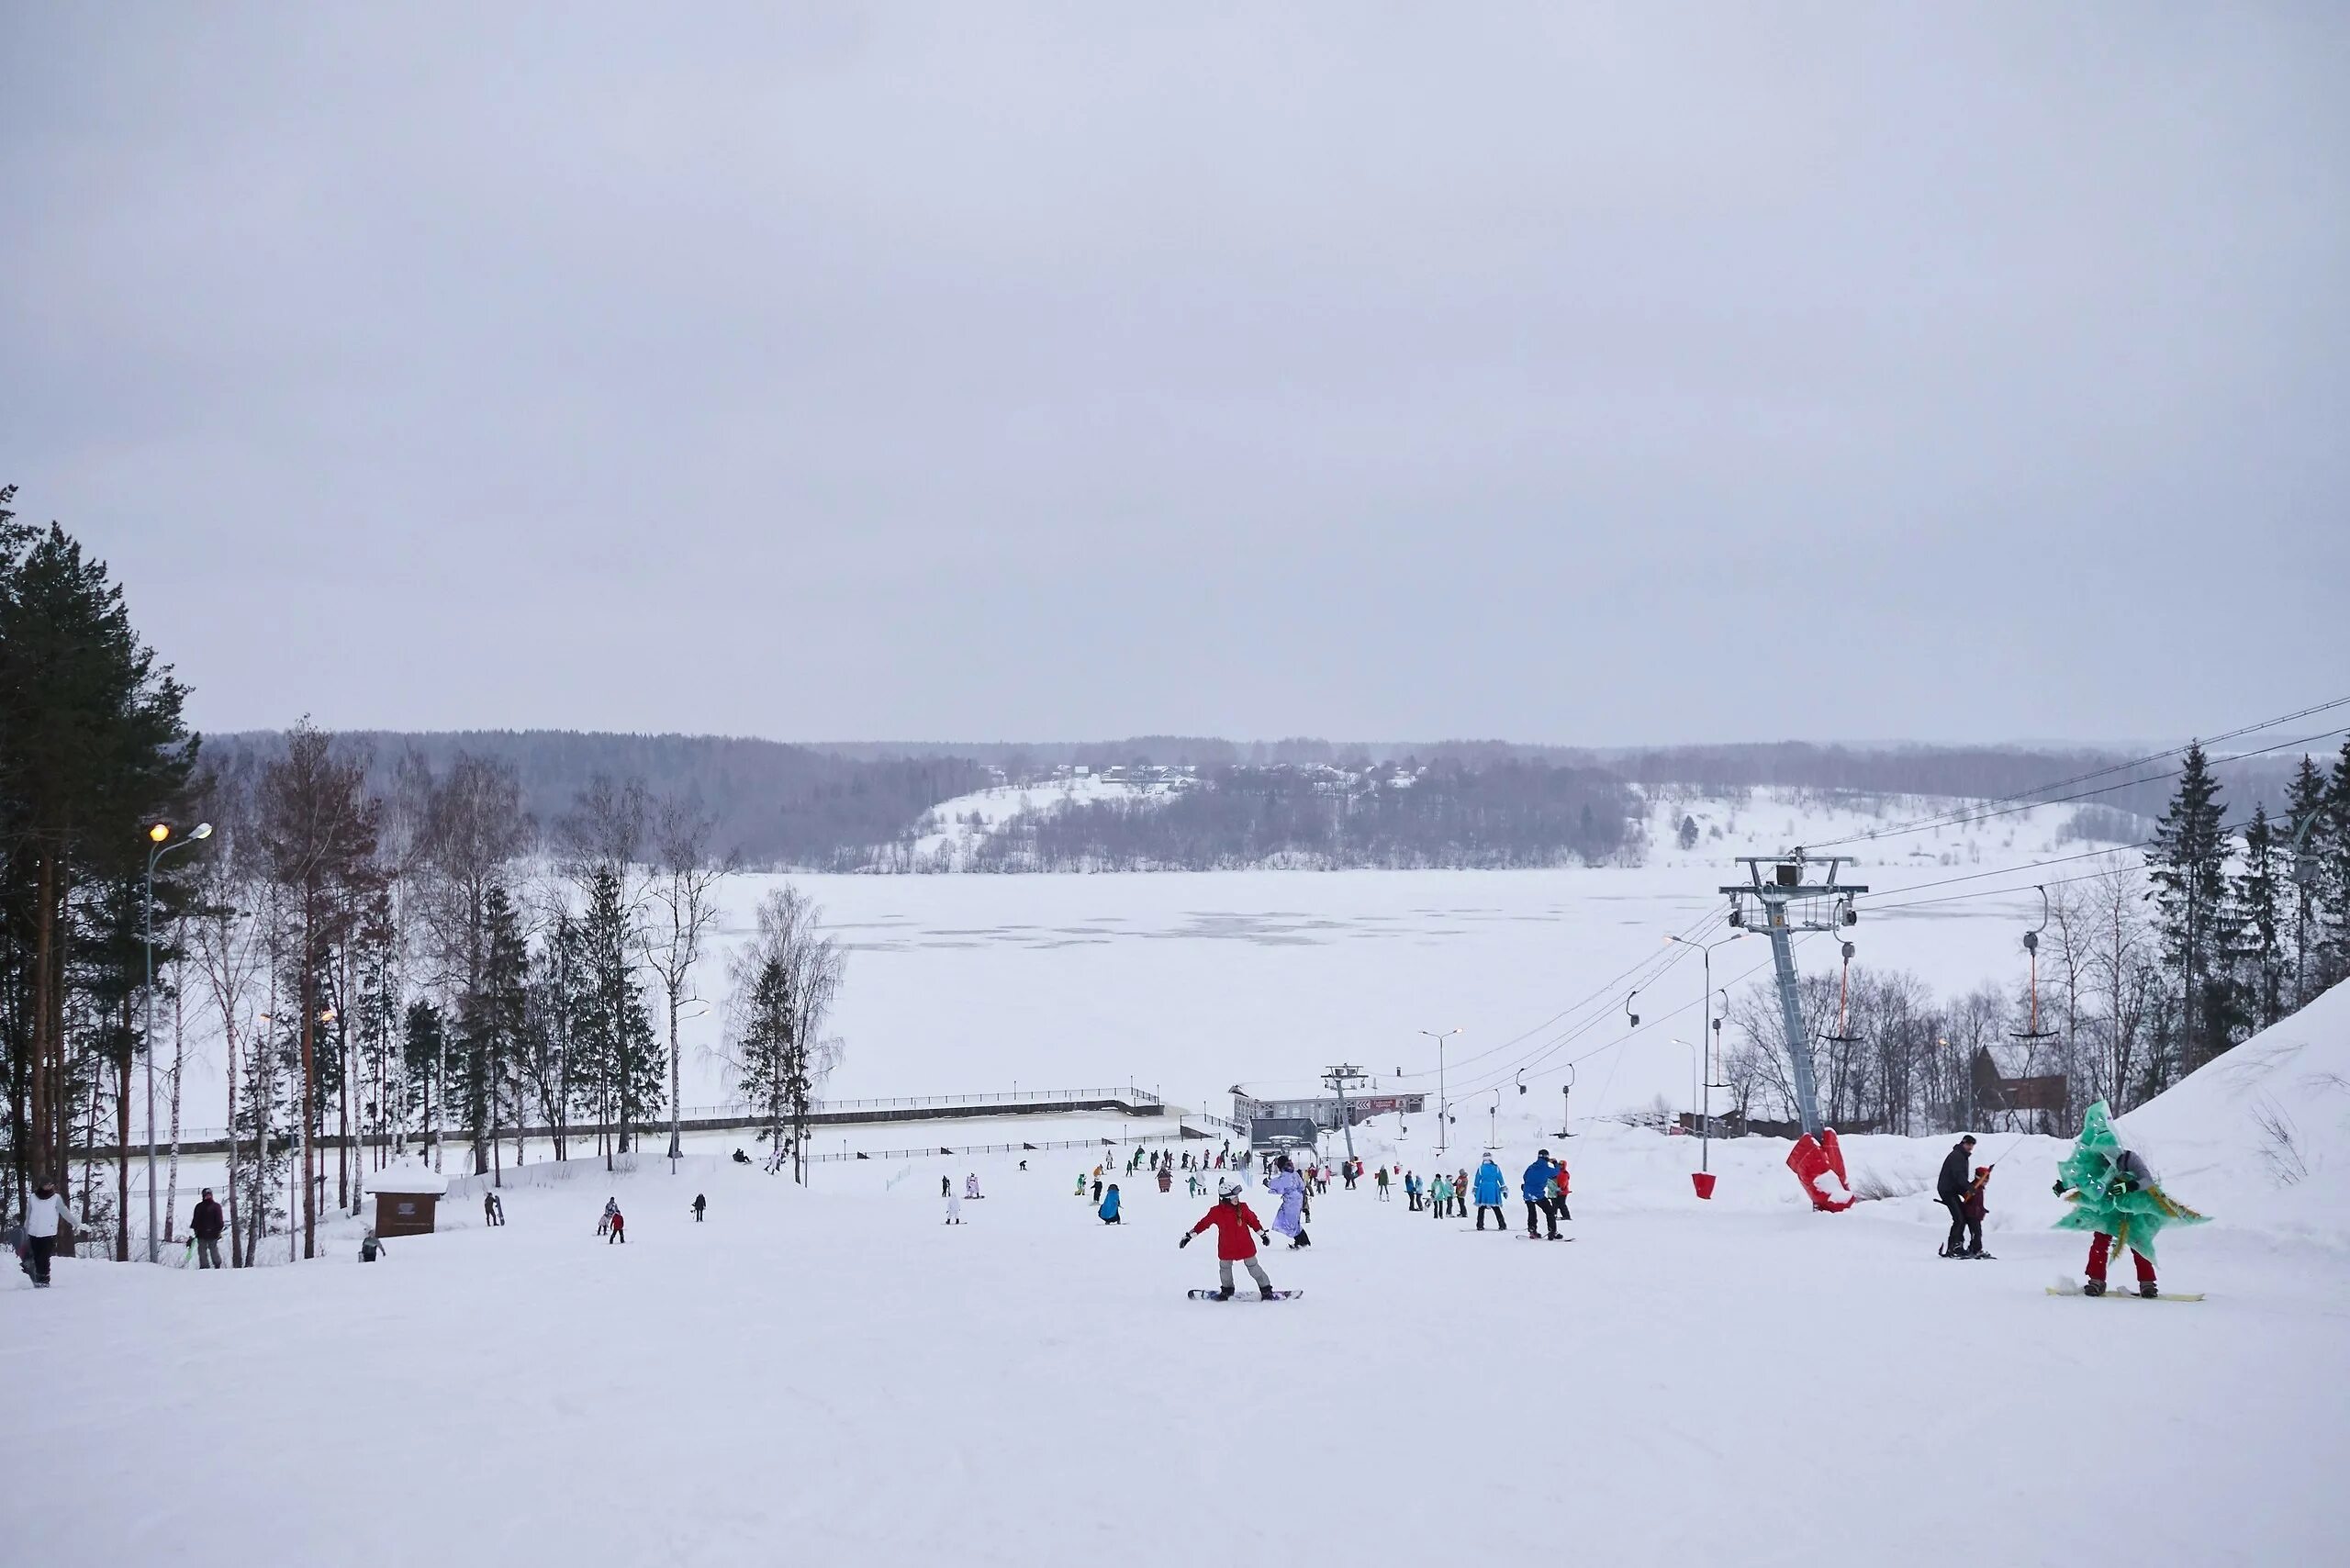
pixel 1844 1034
pixel 2032 947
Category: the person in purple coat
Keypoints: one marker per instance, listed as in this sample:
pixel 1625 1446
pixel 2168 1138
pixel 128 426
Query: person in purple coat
pixel 1290 1187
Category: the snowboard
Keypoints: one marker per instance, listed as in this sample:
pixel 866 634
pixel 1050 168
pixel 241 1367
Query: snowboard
pixel 1523 1236
pixel 1242 1295
pixel 2130 1293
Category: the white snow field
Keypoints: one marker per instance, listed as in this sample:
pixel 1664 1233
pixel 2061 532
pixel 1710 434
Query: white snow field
pixel 836 1376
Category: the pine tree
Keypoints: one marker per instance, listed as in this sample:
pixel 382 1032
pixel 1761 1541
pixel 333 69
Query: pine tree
pixel 614 1042
pixel 2258 913
pixel 2187 865
pixel 2333 835
pixel 424 1054
pixel 490 1023
pixel 2305 816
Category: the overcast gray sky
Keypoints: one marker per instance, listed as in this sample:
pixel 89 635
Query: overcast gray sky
pixel 1000 370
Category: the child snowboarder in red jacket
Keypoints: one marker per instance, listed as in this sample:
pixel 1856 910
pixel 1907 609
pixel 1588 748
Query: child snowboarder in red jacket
pixel 1234 1221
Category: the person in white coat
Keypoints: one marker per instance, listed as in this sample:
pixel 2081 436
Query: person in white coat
pixel 43 1217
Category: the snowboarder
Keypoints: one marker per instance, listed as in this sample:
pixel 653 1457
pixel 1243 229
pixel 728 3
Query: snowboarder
pixel 1538 1187
pixel 1289 1218
pixel 1234 1220
pixel 45 1216
pixel 953 1205
pixel 205 1225
pixel 1950 1191
pixel 1491 1190
pixel 492 1212
pixel 611 1213
pixel 620 1227
pixel 700 1203
pixel 1109 1209
pixel 371 1248
pixel 972 1184
pixel 2115 1197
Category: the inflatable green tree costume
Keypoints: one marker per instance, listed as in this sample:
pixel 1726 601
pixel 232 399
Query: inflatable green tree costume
pixel 2115 1197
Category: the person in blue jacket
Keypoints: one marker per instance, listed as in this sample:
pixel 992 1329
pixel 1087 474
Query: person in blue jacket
pixel 1490 1193
pixel 1536 1188
pixel 1109 1210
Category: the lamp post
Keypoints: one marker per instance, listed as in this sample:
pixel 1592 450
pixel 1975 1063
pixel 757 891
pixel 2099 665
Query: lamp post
pixel 1712 1038
pixel 1443 1112
pixel 159 836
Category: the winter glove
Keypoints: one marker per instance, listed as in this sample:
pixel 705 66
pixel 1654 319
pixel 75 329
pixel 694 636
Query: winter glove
pixel 2057 1188
pixel 1185 1242
pixel 1264 1239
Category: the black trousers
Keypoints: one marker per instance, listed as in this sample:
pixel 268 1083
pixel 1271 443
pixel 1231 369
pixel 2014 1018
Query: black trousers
pixel 1548 1208
pixel 41 1246
pixel 1956 1243
pixel 1500 1218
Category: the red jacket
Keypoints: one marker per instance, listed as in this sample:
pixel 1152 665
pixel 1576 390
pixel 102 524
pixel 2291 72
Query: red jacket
pixel 1233 1223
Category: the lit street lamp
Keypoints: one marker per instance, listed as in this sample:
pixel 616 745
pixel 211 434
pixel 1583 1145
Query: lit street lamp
pixel 159 835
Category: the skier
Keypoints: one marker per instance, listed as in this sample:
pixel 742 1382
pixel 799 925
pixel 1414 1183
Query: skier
pixel 1950 1191
pixel 370 1247
pixel 620 1227
pixel 1234 1220
pixel 1972 1206
pixel 44 1216
pixel 700 1203
pixel 1538 1187
pixel 1491 1190
pixel 1109 1210
pixel 2115 1197
pixel 1380 1180
pixel 1289 1218
pixel 205 1225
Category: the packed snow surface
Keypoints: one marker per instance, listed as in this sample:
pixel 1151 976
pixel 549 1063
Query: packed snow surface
pixel 835 1375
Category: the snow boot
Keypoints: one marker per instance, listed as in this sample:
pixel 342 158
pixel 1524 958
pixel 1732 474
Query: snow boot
pixel 2095 1287
pixel 2146 1289
pixel 1266 1294
pixel 1225 1294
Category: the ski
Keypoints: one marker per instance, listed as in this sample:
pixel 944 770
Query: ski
pixel 2127 1294
pixel 1243 1296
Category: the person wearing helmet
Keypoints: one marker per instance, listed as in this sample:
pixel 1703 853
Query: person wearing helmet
pixel 1234 1222
pixel 44 1216
pixel 1540 1188
pixel 1289 1218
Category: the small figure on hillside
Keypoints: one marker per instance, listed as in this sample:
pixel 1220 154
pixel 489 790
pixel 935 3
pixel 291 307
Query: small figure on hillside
pixel 620 1227
pixel 953 1205
pixel 1460 1194
pixel 206 1224
pixel 700 1203
pixel 972 1184
pixel 1097 1185
pixel 1491 1190
pixel 1950 1191
pixel 1410 1192
pixel 2115 1197
pixel 45 1216
pixel 1080 1183
pixel 1023 1165
pixel 1540 1186
pixel 947 1186
pixel 1558 1189
pixel 1109 1209
pixel 1167 1176
pixel 1290 1188
pixel 739 1157
pixel 1379 1178
pixel 1234 1220
pixel 371 1246
pixel 493 1209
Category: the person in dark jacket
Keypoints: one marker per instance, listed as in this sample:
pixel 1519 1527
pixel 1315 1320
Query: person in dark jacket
pixel 1540 1187
pixel 206 1224
pixel 700 1203
pixel 1950 1191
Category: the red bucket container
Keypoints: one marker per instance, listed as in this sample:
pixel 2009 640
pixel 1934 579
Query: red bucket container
pixel 1704 1181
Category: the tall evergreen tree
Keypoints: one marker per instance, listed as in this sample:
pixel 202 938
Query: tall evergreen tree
pixel 2187 865
pixel 424 1057
pixel 491 1019
pixel 2333 835
pixel 2305 819
pixel 2259 915
pixel 614 1040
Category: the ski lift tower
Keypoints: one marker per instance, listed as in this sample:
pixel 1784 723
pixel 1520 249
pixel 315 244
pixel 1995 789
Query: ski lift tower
pixel 1784 894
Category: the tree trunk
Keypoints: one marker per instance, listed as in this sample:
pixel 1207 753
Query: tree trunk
pixel 179 1064
pixel 122 1075
pixel 47 1159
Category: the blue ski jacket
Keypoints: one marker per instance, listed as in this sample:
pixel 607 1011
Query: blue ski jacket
pixel 1536 1185
pixel 1109 1204
pixel 1489 1190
